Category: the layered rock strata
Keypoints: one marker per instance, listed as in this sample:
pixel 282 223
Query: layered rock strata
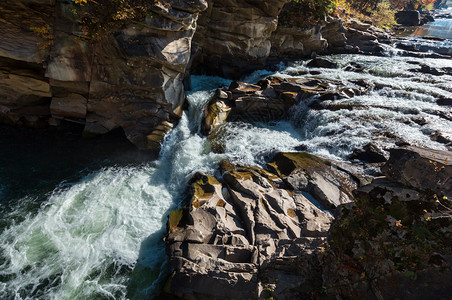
pixel 233 37
pixel 131 79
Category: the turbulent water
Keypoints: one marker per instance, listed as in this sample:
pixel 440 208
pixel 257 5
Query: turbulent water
pixel 98 234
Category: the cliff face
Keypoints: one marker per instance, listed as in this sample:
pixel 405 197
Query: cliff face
pixel 131 79
pixel 234 36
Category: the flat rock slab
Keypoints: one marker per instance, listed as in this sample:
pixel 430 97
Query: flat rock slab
pixel 423 169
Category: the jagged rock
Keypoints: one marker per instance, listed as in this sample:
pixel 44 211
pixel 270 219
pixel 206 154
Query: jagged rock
pixel 322 63
pixel 408 17
pixel 328 184
pixel 256 236
pixel 241 235
pixel 370 153
pixel 270 99
pixel 420 168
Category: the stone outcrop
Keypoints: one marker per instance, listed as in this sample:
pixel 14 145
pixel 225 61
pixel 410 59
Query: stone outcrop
pixel 357 37
pixel 233 37
pixel 422 169
pixel 408 17
pixel 130 79
pixel 269 99
pixel 247 236
pixel 260 233
pixel 293 38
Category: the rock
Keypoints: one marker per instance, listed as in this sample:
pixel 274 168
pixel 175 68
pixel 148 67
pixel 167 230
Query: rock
pixel 322 63
pixel 358 37
pixel 421 169
pixel 354 67
pixel 72 106
pixel 234 237
pixel 132 78
pixel 293 42
pixel 268 100
pixel 370 153
pixel 408 17
pixel 427 18
pixel 328 184
pixel 255 235
pixel 233 37
pixel 440 138
pixel 444 101
pixel 292 37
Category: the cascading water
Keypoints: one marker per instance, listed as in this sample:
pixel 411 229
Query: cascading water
pixel 100 237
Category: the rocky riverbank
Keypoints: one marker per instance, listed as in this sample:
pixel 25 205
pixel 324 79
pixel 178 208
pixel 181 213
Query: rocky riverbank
pixel 258 233
pixel 132 78
pixel 303 226
pixel 368 217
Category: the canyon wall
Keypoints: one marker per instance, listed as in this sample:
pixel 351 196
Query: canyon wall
pixel 131 79
pixel 53 74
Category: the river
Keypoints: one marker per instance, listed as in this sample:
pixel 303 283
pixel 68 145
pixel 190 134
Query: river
pixel 84 219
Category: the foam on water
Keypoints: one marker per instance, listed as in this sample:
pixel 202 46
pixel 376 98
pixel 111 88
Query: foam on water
pixel 403 96
pixel 85 240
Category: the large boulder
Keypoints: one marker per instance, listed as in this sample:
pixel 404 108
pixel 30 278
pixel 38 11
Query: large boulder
pixel 420 168
pixel 262 233
pixel 408 17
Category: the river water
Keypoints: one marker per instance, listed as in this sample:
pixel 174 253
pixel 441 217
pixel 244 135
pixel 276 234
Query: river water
pixel 85 219
pixel 441 28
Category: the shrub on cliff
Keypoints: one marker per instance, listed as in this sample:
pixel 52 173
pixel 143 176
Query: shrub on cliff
pixel 99 16
pixel 306 13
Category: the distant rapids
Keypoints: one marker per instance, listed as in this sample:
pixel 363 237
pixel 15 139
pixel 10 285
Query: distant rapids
pixel 99 236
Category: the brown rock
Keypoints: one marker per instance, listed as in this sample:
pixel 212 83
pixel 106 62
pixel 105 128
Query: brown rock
pixel 421 169
pixel 72 106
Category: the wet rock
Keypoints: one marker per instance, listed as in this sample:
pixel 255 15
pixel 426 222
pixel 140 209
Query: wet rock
pixel 427 17
pixel 440 138
pixel 354 67
pixel 370 153
pixel 328 184
pixel 322 63
pixel 420 168
pixel 408 17
pixel 444 101
pixel 236 237
pixel 131 79
pixel 256 235
pixel 268 100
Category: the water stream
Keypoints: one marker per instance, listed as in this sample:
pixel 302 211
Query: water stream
pixel 96 232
